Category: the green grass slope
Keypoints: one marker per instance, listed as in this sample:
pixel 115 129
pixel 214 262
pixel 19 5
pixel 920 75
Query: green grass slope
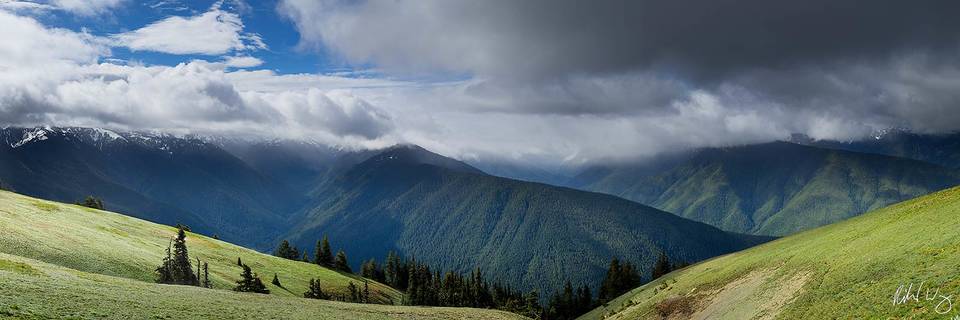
pixel 111 244
pixel 848 270
pixel 775 188
pixel 30 289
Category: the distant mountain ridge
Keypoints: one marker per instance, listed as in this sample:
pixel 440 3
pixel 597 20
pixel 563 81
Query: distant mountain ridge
pixel 157 177
pixel 535 236
pixel 772 189
pixel 940 149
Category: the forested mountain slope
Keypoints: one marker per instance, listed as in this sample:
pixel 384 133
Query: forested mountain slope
pixel 771 189
pixel 532 235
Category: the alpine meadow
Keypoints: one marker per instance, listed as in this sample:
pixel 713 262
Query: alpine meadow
pixel 452 159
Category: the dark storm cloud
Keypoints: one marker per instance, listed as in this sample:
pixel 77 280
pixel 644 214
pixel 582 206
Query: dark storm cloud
pixel 549 38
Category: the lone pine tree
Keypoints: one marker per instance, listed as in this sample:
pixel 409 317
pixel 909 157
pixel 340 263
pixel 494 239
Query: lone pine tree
pixel 276 281
pixel 341 262
pixel 176 267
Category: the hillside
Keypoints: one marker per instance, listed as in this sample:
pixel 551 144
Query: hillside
pixel 37 290
pixel 848 270
pixel 770 189
pixel 156 177
pixel 111 244
pixel 530 235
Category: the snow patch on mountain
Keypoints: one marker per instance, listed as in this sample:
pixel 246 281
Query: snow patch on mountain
pixel 37 134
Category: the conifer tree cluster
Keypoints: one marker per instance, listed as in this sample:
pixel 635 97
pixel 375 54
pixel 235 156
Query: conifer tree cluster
pixel 323 255
pixel 570 303
pixel 620 278
pixel 373 270
pixel 357 295
pixel 315 291
pixel 661 267
pixel 286 251
pixel 424 286
pixel 249 281
pixel 176 267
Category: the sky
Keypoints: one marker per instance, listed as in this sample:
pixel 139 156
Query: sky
pixel 548 82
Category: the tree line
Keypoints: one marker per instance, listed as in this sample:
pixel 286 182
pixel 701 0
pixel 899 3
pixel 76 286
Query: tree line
pixel 421 284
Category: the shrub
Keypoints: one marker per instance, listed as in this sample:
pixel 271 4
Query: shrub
pixel 92 202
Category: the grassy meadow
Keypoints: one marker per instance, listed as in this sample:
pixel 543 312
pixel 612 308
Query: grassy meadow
pixel 848 270
pixel 31 289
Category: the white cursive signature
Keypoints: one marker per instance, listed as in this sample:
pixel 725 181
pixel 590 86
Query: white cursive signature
pixel 907 293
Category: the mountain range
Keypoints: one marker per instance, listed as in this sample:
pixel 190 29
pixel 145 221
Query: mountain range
pixel 157 177
pixel 453 215
pixel 533 235
pixel 425 206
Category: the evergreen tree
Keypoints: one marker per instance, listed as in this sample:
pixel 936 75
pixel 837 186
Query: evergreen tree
pixel 354 292
pixel 372 270
pixel 324 254
pixel 250 282
pixel 341 262
pixel 176 267
pixel 92 202
pixel 608 288
pixel 305 257
pixel 532 307
pixel 584 300
pixel 164 271
pixel 206 276
pixel 366 292
pixel 391 270
pixel 239 263
pixel 620 278
pixel 285 250
pixel 315 292
pixel 276 281
pixel 661 267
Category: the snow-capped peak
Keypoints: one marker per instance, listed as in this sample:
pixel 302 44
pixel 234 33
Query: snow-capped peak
pixel 104 133
pixel 37 134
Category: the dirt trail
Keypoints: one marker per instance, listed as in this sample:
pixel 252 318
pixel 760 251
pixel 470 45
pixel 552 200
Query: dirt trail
pixel 757 295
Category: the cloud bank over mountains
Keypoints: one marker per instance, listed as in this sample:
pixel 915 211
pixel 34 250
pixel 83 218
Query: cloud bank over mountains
pixel 53 76
pixel 560 81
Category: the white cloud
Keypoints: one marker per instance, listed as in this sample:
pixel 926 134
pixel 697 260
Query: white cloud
pixel 87 7
pixel 27 43
pixel 242 62
pixel 24 6
pixel 52 76
pixel 77 7
pixel 214 32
